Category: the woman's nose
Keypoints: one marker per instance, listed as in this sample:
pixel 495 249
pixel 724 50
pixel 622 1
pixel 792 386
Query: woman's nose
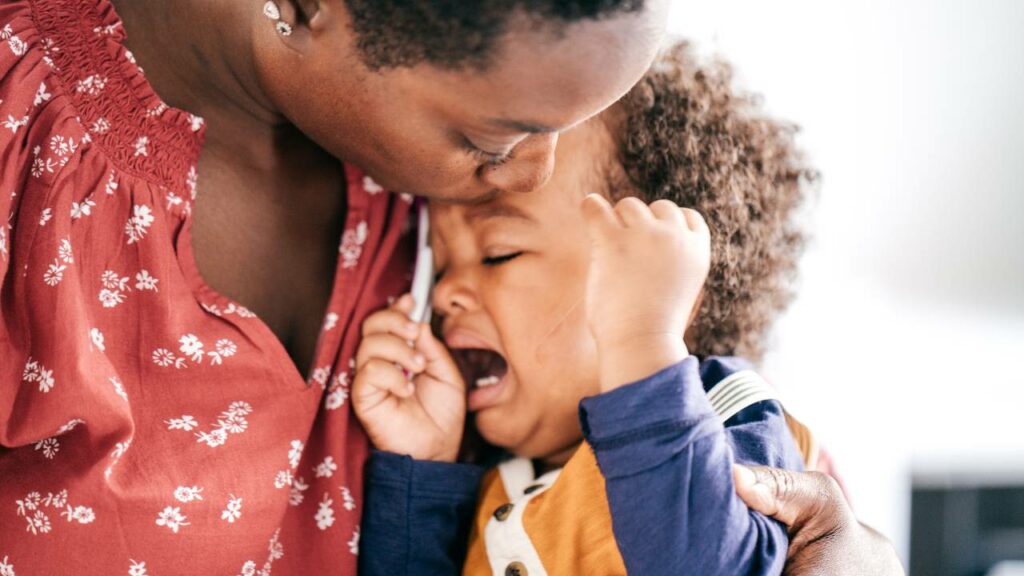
pixel 532 163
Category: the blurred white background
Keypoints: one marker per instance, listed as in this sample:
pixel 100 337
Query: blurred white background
pixel 901 349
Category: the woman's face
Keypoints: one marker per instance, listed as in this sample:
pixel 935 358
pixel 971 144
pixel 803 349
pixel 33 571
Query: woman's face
pixel 463 134
pixel 512 278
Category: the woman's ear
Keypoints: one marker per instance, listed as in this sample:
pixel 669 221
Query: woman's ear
pixel 296 22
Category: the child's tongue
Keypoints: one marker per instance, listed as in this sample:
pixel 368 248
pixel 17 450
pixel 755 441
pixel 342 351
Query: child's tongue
pixel 479 367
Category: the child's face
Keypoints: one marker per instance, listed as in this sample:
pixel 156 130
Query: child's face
pixel 513 274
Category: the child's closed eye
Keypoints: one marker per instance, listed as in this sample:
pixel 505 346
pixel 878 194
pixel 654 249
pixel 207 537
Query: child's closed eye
pixel 497 260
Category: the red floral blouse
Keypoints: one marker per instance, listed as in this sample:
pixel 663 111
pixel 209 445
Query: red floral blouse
pixel 148 425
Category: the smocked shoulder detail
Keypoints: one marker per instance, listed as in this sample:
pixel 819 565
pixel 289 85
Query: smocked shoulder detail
pixel 83 40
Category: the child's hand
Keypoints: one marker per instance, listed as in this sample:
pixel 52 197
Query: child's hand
pixel 648 267
pixel 422 418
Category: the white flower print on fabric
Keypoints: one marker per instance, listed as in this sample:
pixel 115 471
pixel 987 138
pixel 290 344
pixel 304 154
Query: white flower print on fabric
pixel 371 186
pixel 49 447
pixel 62 148
pixel 231 308
pixel 172 518
pixel 353 544
pixel 83 208
pixel 186 423
pixel 71 425
pixel 142 146
pixel 223 348
pixel 275 551
pixel 64 252
pixel 97 339
pixel 157 110
pixel 295 494
pixel 6 568
pixel 295 454
pixel 111 185
pixel 325 513
pixel 120 448
pixel 231 421
pixel 338 391
pixel 283 479
pixel 330 321
pixel 54 273
pixel 320 376
pixel 233 510
pixel 41 95
pixel 348 502
pixel 119 388
pixel 139 223
pixel 3 241
pixel 187 494
pixel 45 216
pixel 192 181
pixel 143 281
pixel 137 568
pixel 17 45
pixel 33 509
pixel 326 468
pixel 37 373
pixel 192 348
pixel 42 166
pixel 196 122
pixel 91 85
pixel 100 126
pixel 352 245
pixel 107 30
pixel 114 289
pixel 13 124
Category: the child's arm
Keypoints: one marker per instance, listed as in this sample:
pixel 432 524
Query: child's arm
pixel 665 457
pixel 667 464
pixel 417 512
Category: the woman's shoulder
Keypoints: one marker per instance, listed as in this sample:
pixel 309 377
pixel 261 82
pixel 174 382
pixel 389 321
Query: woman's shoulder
pixel 69 86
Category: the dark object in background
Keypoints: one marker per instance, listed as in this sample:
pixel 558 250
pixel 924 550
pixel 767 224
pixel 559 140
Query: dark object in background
pixel 964 529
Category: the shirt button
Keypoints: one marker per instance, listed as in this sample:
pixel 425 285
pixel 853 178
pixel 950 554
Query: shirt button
pixel 503 512
pixel 515 569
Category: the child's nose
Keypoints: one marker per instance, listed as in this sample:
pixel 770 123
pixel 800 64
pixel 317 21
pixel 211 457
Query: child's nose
pixel 454 294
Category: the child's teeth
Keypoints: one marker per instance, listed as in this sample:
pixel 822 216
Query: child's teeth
pixel 487 381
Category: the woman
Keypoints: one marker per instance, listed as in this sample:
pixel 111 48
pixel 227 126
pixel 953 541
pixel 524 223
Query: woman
pixel 143 403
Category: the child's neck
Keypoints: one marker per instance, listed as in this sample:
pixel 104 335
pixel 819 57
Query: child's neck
pixel 542 466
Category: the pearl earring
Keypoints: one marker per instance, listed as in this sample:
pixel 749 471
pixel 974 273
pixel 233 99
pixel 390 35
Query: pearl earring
pixel 271 11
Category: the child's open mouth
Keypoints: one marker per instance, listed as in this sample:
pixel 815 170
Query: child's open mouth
pixel 484 372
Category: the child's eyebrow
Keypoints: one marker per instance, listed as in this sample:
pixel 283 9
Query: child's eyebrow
pixel 496 210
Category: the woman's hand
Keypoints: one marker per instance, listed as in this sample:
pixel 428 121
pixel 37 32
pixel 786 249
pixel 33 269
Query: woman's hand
pixel 825 536
pixel 648 266
pixel 407 392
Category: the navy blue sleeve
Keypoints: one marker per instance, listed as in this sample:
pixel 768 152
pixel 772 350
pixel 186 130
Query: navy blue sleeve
pixel 416 516
pixel 667 462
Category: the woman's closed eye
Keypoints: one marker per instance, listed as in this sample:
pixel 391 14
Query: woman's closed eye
pixel 497 260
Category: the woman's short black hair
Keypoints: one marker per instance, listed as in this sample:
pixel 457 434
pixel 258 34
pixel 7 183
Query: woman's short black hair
pixel 457 33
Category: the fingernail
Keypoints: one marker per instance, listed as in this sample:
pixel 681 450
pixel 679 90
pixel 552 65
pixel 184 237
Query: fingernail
pixel 419 360
pixel 412 327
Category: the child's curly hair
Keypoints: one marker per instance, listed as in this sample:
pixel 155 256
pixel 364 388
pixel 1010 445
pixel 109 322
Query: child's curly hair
pixel 685 135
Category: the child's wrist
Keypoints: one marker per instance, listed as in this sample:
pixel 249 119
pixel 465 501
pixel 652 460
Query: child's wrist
pixel 629 360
